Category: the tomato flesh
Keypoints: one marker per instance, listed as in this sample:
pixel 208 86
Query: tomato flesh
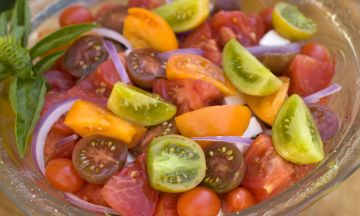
pixel 167 205
pixel 128 191
pixel 92 193
pixel 308 75
pixel 316 51
pixel 75 14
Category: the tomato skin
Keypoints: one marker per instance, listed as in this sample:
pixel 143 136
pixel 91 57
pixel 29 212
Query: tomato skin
pixel 148 4
pixel 266 15
pixel 267 174
pixel 58 80
pixel 167 205
pixel 54 149
pixel 62 175
pixel 202 37
pixel 75 14
pixel 129 192
pixel 199 201
pixel 309 75
pixel 248 29
pixel 237 200
pixel 92 193
pixel 316 51
pixel 188 94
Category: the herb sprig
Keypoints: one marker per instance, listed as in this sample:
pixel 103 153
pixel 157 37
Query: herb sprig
pixel 28 88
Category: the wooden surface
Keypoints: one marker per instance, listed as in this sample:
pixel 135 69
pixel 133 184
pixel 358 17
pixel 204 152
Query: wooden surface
pixel 343 201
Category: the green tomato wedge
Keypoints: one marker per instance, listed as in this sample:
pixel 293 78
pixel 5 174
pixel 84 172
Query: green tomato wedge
pixel 295 134
pixel 175 164
pixel 247 73
pixel 139 106
pixel 184 15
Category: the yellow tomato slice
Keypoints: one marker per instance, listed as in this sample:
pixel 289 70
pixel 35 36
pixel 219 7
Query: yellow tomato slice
pixel 145 29
pixel 267 107
pixel 88 119
pixel 189 66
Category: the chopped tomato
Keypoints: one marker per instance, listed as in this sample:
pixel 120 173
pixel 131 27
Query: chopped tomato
pixel 227 120
pixel 248 29
pixel 58 80
pixel 105 8
pixel 75 14
pixel 317 51
pixel 300 171
pixel 149 4
pixel 167 205
pixel 189 66
pixel 54 149
pixel 92 193
pixel 188 94
pixel 267 174
pixel 309 75
pixel 129 192
pixel 266 15
pixel 146 29
pixel 202 37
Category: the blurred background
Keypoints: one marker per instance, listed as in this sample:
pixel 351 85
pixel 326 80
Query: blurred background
pixel 343 201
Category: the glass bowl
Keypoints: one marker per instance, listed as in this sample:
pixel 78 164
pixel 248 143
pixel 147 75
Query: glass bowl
pixel 339 30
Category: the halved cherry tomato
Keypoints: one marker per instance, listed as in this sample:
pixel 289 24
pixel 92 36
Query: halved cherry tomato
pixel 227 120
pixel 267 107
pixel 317 51
pixel 148 4
pixel 145 29
pixel 309 75
pixel 129 192
pixel 62 175
pixel 202 37
pixel 92 193
pixel 248 29
pixel 267 174
pixel 189 66
pixel 87 119
pixel 75 14
pixel 188 94
pixel 199 201
pixel 167 205
pixel 266 14
pixel 237 200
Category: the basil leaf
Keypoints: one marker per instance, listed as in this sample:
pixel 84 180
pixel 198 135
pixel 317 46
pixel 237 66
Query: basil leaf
pixel 18 32
pixel 21 16
pixel 30 97
pixel 60 37
pixel 47 62
pixel 12 94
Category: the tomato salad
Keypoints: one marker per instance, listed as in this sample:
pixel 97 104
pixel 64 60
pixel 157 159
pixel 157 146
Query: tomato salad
pixel 177 108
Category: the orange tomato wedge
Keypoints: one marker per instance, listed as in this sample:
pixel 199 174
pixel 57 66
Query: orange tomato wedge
pixel 88 119
pixel 267 107
pixel 189 66
pixel 227 120
pixel 145 29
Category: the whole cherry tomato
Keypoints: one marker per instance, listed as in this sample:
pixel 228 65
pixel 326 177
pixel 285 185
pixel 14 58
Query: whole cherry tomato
pixel 62 175
pixel 75 14
pixel 199 201
pixel 237 200
pixel 317 51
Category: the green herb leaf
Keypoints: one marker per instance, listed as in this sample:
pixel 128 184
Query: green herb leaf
pixel 17 57
pixel 12 94
pixel 61 37
pixel 30 96
pixel 21 16
pixel 47 62
pixel 18 33
pixel 3 24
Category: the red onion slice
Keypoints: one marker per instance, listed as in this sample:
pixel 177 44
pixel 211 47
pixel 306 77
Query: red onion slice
pixel 334 88
pixel 266 50
pixel 117 62
pixel 71 198
pixel 42 129
pixel 114 35
pixel 68 139
pixel 166 55
pixel 232 139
